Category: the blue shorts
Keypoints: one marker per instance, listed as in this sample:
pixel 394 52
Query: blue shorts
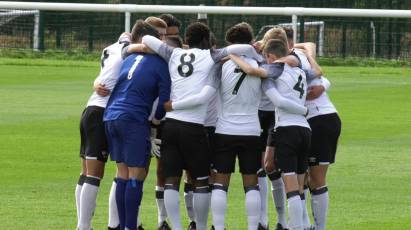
pixel 129 142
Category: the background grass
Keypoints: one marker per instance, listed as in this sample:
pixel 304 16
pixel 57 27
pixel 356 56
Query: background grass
pixel 41 102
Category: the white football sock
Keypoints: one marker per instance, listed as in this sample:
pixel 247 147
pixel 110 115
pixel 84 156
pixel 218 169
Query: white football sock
pixel 88 202
pixel 278 191
pixel 306 218
pixel 319 206
pixel 171 202
pixel 113 220
pixel 295 212
pixel 262 184
pixel 201 206
pixel 253 206
pixel 77 194
pixel 188 199
pixel 161 209
pixel 218 208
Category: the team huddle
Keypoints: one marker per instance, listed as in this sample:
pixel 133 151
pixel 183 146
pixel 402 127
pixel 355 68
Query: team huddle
pixel 196 108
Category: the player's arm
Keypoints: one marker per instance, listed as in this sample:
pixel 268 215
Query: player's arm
pixel 273 70
pixel 316 90
pixel 205 94
pixel 247 68
pixel 158 46
pixel 164 89
pixel 100 88
pixel 139 47
pixel 309 47
pixel 279 101
pixel 236 49
pixel 315 70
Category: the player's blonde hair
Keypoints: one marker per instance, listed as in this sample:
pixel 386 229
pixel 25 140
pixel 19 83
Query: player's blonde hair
pixel 274 33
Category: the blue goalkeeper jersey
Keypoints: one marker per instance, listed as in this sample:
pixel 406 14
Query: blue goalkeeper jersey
pixel 143 78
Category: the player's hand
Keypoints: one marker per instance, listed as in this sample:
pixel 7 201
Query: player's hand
pixel 155 122
pixel 168 106
pixel 101 90
pixel 258 46
pixel 315 91
pixel 155 147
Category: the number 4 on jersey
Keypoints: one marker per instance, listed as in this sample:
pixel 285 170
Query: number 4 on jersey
pixel 300 86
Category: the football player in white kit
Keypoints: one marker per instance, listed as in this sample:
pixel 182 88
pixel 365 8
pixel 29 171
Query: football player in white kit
pixel 94 149
pixel 237 133
pixel 326 128
pixel 184 143
pixel 292 132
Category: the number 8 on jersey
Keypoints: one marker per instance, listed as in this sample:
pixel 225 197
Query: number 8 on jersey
pixel 186 68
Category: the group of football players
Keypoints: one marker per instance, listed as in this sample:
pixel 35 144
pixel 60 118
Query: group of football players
pixel 197 108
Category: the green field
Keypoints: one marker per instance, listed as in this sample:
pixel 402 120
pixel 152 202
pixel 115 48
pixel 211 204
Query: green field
pixel 41 102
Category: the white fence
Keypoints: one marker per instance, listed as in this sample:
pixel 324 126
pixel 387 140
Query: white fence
pixel 127 9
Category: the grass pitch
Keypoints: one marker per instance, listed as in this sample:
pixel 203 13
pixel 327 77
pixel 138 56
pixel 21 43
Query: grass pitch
pixel 41 102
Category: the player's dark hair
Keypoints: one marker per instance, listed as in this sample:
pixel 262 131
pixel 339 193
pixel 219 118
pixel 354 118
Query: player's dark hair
pixel 289 32
pixel 197 35
pixel 170 20
pixel 276 47
pixel 174 41
pixel 241 33
pixel 142 28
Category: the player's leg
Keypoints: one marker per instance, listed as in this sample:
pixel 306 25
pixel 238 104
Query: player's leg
pixel 96 153
pixel 252 200
pixel 277 183
pixel 122 178
pixel 326 130
pixel 113 220
pixel 161 208
pixel 287 146
pixel 117 192
pixel 137 146
pixel 88 197
pixel 172 162
pixel 224 165
pixel 83 172
pixel 188 199
pixel 79 187
pixel 219 199
pixel 319 195
pixel 304 198
pixel 195 148
pixel 250 162
pixel 295 209
pixel 263 187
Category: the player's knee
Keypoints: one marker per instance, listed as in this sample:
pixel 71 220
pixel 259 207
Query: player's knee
pixel 172 181
pixel 274 175
pixel 250 180
pixel 201 182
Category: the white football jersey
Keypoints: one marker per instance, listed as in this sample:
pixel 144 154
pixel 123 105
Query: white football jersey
pixel 189 71
pixel 212 111
pixel 321 105
pixel 291 84
pixel 240 96
pixel 111 61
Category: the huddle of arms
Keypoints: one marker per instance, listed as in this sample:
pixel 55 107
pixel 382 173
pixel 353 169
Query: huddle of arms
pixel 217 55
